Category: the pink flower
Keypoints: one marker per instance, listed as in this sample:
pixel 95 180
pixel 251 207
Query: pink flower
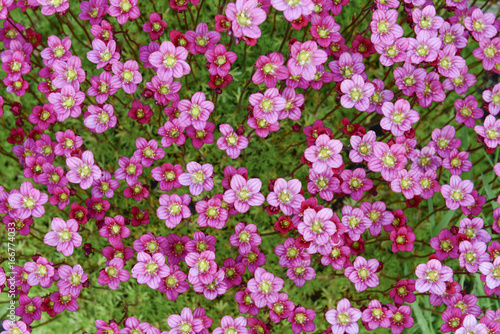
pixel 201 137
pixel 480 24
pixel 490 131
pixel 231 142
pixel 375 315
pixel 64 235
pixel 203 267
pixel 93 11
pixel 355 183
pixel 324 30
pixel 357 93
pixel 174 283
pixel 244 193
pixel 113 274
pixel 400 318
pixel 286 195
pixel 50 8
pixel 202 39
pixel 211 213
pixel 305 56
pixel 402 239
pixel 355 221
pixel 362 273
pixel 172 132
pixel 432 276
pixel 230 325
pixel 270 69
pixel 323 183
pixel 264 287
pixel 470 325
pixel 148 151
pixel 128 74
pixel 220 60
pixel 347 66
pixel 458 193
pixel 19 326
pixel 387 160
pixel 164 87
pixel 489 270
pixel 28 201
pixel 408 183
pixel 427 23
pixel 124 10
pixel 185 323
pixel 83 171
pixel 245 237
pixel 40 272
pixel 267 105
pixel 492 97
pixel 173 209
pixel 472 255
pixel 449 64
pixel 103 86
pixel 150 269
pixel 170 60
pixel 198 178
pixel 462 83
pixel 67 102
pixel 292 11
pixel 100 119
pixel 245 17
pixel 362 147
pixel 457 162
pixel 196 111
pixel 317 226
pixel 103 54
pixel 130 169
pixel 56 49
pixel 71 280
pixel 324 154
pixel 344 318
pixel 67 142
pixel 384 27
pixel 155 26
pixel 409 79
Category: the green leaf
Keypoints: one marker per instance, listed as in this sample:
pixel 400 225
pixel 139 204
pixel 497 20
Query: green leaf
pixel 421 319
pixel 432 218
pixel 443 222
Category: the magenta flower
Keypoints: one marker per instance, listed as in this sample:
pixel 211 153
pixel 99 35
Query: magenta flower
pixel 267 105
pixel 264 287
pixel 305 57
pixel 378 215
pixel 245 17
pixel 490 131
pixel 362 147
pixel 426 159
pixel 124 10
pixel 174 283
pixel 164 88
pixel 270 69
pixel 398 117
pixel 114 229
pixel 324 30
pixel 457 162
pixel 155 26
pixel 172 132
pixel 375 316
pixel 286 195
pixel 443 140
pixel 244 193
pixel 56 49
pixel 168 176
pixel 232 325
pixel 323 183
pixel 201 40
pixel 362 273
pixel 170 60
pixel 453 34
pixel 409 79
pixel 344 319
pixel 198 178
pixel 173 209
pixel 423 48
pixel 302 320
pixel 128 74
pixel 201 137
pixel 103 86
pixel 400 318
pixel 130 169
pixel 103 54
pixel 292 11
pixel 427 23
pixel 355 183
pixel 50 8
pixel 28 201
pixel 93 11
pixel 432 276
pixel 113 274
pixel 357 93
pixel 64 235
pixel 150 269
pixel 492 97
pixel 387 160
pixel 83 171
pixel 220 60
pixel 324 154
pixel 71 280
pixel 29 308
pixel 17 326
pixel 185 323
pixel 462 83
pixel 384 27
pixel 433 90
pixel 245 237
pixel 392 53
pixel 379 96
pixel 347 66
pixel 458 193
pixel 231 142
pixel 196 111
pixel 69 72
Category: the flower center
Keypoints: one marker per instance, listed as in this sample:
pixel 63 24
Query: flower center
pixel 174 209
pixel 103 117
pixel 65 235
pixel 169 60
pixel 389 160
pixel 244 19
pixel 285 197
pixel 131 169
pixel 304 57
pixel 355 94
pixel 432 276
pixel 383 27
pixel 29 203
pixel 68 102
pixel 457 195
pixel 265 287
pixel 343 318
pixel 125 6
